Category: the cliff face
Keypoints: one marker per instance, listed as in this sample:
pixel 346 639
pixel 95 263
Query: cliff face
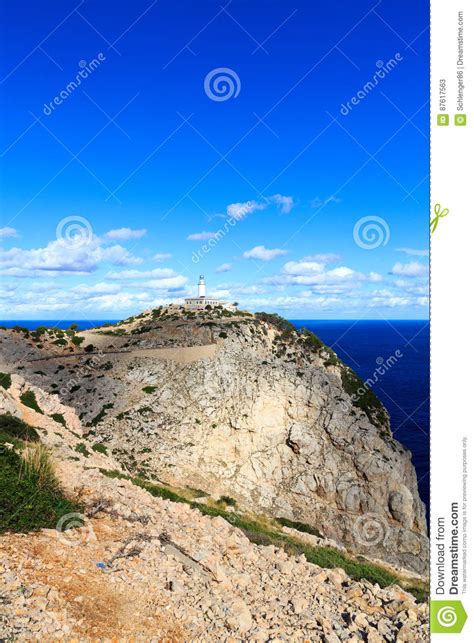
pixel 256 412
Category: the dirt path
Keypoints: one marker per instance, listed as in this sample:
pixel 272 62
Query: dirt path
pixel 93 603
pixel 180 354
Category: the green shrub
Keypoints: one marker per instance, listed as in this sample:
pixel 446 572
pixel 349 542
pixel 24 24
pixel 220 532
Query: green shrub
pixel 60 342
pixel 89 348
pixel 227 500
pixel 76 340
pixel 223 335
pixel 59 417
pixel 99 448
pixel 82 449
pixel 5 380
pixel 29 399
pixel 149 389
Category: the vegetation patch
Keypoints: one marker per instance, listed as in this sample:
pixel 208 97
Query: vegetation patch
pixel 364 398
pixel 30 495
pixel 59 417
pixel 299 526
pixel 149 389
pixel 12 428
pixel 275 320
pixel 99 448
pixel 29 399
pixel 228 501
pixel 82 449
pixel 5 380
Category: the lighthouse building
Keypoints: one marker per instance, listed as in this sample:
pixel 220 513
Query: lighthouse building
pixel 201 302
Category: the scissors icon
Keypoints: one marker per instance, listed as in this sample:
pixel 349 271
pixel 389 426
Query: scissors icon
pixel 438 215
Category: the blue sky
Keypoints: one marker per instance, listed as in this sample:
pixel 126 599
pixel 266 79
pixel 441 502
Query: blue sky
pixel 120 188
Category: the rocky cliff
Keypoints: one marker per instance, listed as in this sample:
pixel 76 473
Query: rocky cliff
pixel 241 406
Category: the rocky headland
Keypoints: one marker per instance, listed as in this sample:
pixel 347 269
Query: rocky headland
pixel 228 462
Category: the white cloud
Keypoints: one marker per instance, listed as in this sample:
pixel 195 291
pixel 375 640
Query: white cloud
pixel 160 279
pixel 59 258
pixel 325 257
pixel 8 232
pixel 96 289
pixel 412 286
pixel 303 267
pixel 225 267
pixel 318 203
pixel 412 269
pixel 165 283
pixel 351 301
pixel 285 203
pixel 162 256
pixel 241 210
pixel 125 234
pixel 201 236
pixel 414 252
pixel 264 254
pixel 315 273
pixel 156 273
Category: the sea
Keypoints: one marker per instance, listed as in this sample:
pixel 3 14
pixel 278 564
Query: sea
pixel 399 349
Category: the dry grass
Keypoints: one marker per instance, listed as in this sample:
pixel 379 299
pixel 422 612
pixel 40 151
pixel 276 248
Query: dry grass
pixel 37 463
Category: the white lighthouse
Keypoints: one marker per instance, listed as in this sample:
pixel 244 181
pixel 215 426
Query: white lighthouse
pixel 201 302
pixel 201 287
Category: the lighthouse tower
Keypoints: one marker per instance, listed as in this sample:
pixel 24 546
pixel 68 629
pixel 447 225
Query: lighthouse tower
pixel 201 287
pixel 201 302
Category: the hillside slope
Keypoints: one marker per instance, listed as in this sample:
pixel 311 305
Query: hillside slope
pixel 242 406
pixel 142 566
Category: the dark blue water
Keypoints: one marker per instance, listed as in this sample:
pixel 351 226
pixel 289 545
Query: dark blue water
pixel 31 324
pixel 403 389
